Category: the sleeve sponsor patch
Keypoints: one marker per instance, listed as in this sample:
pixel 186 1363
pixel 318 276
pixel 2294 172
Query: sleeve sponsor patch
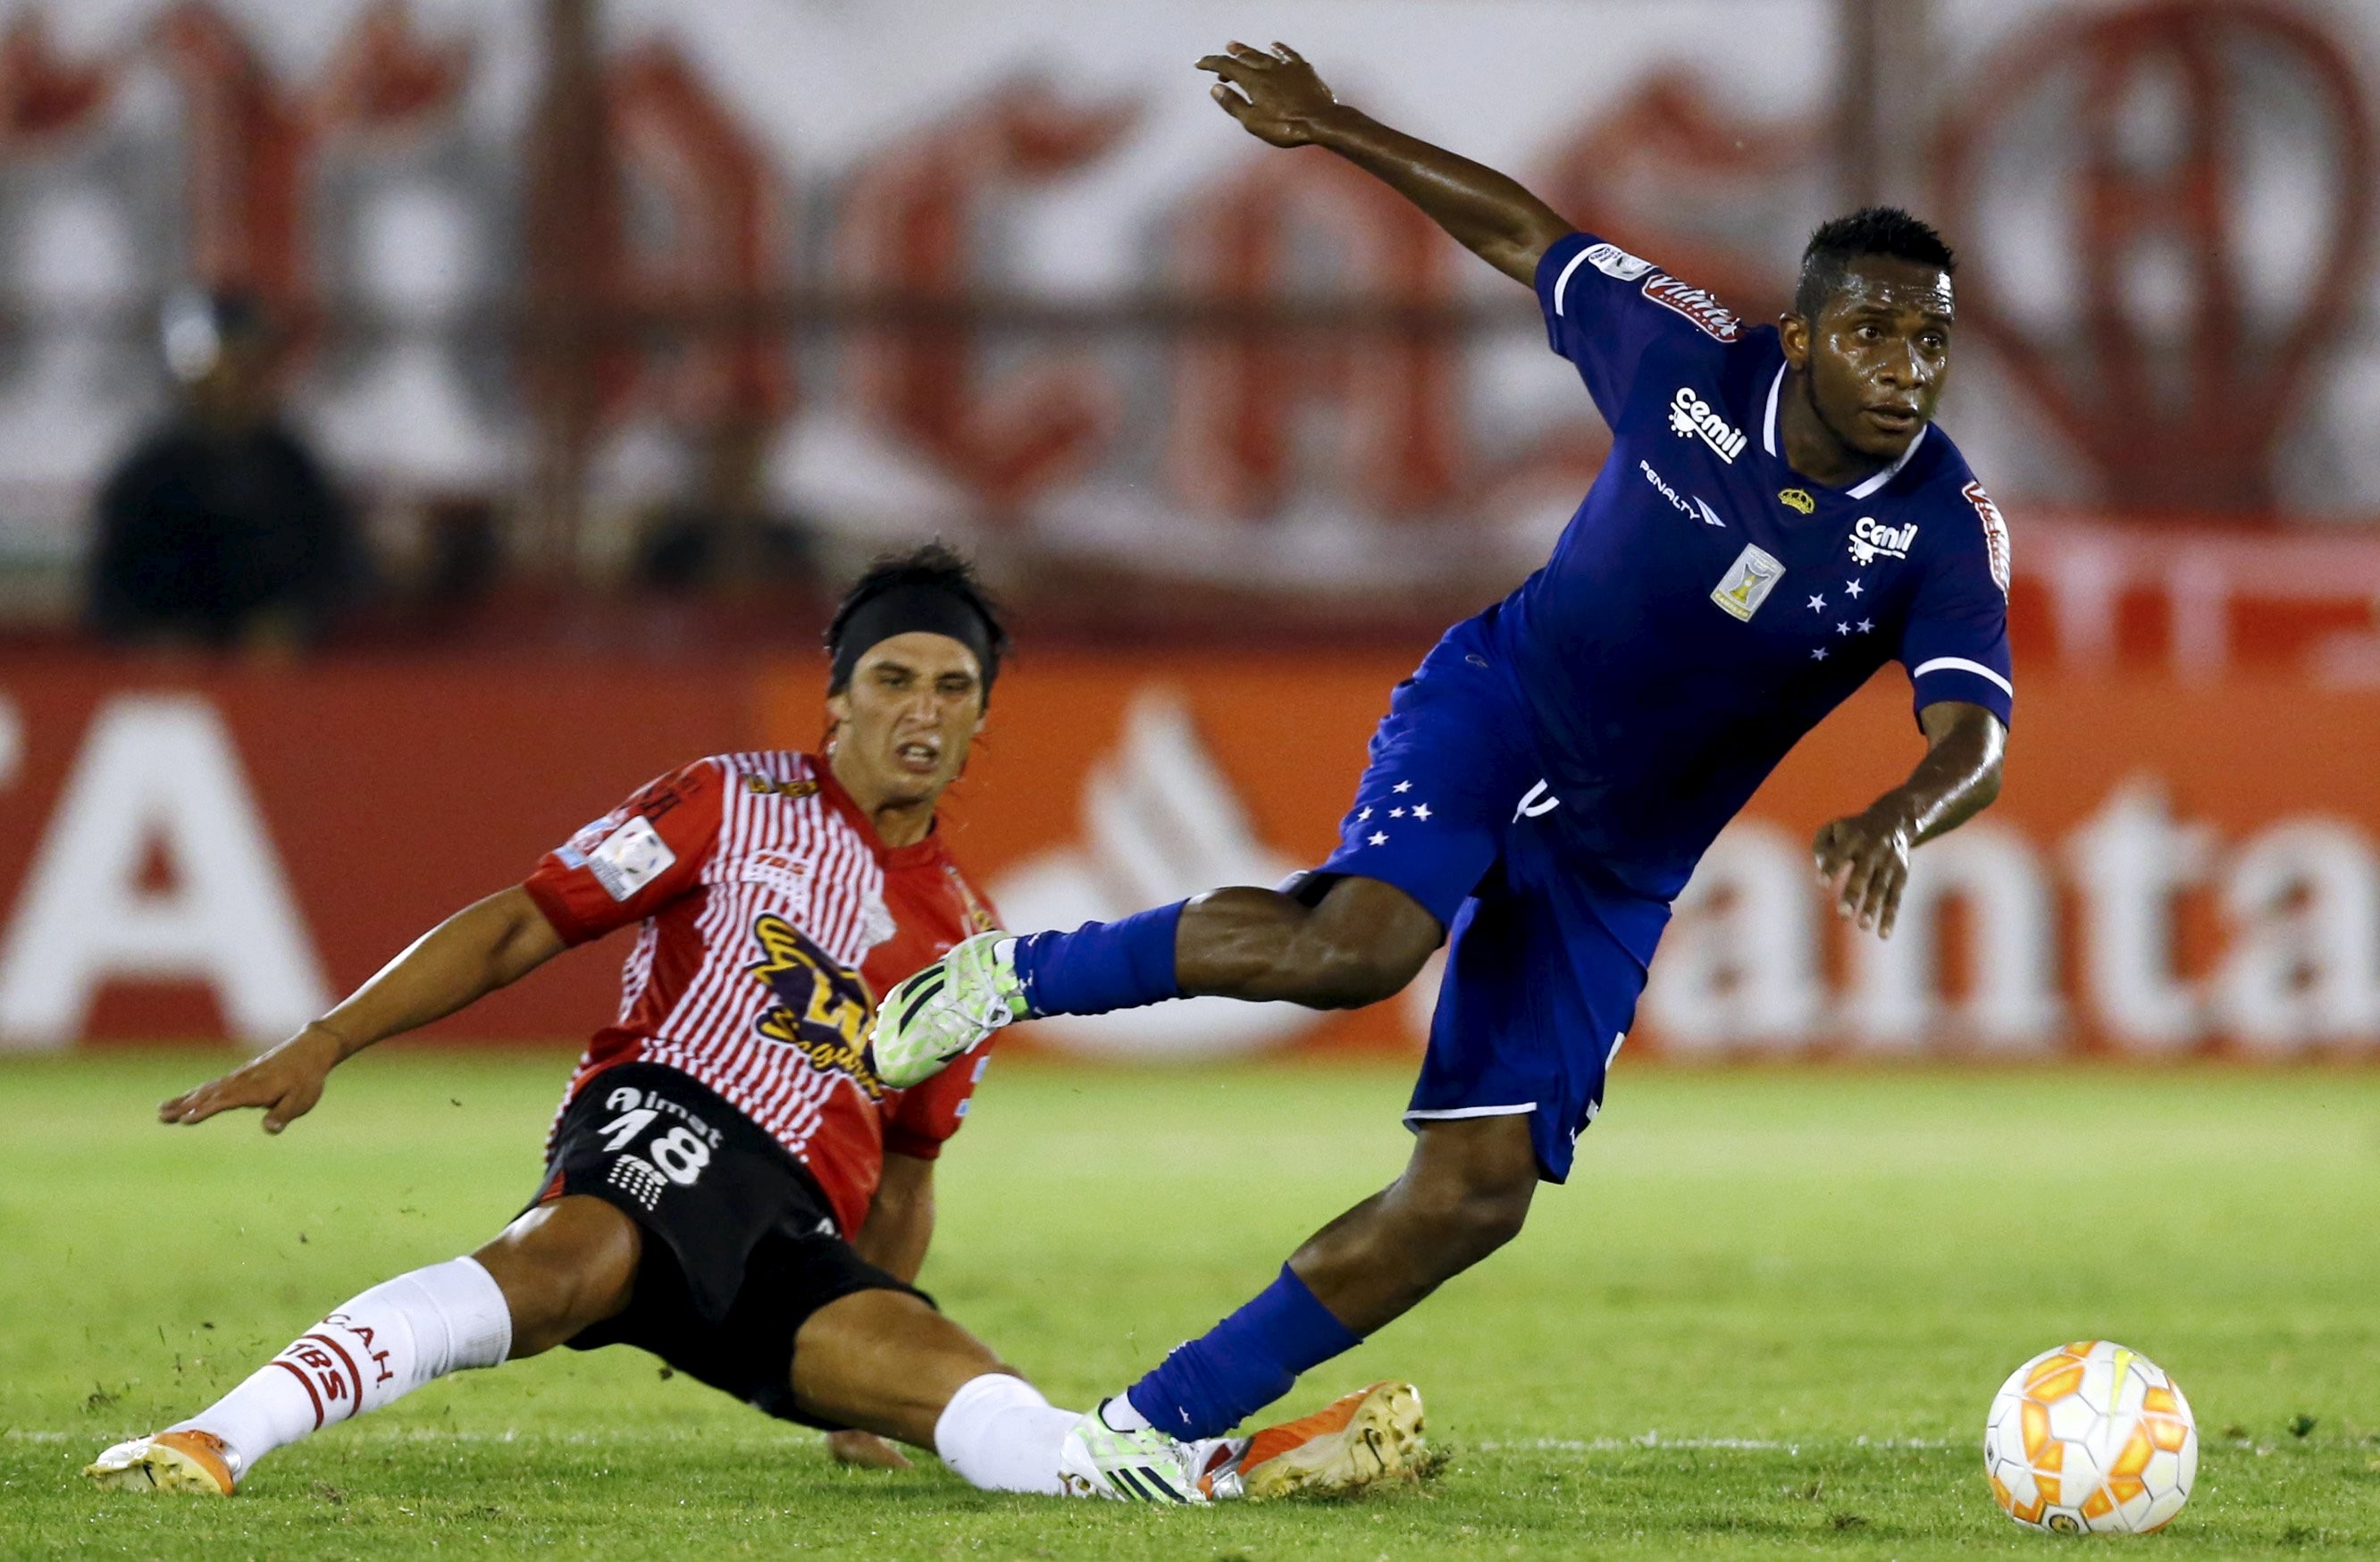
pixel 630 858
pixel 1703 309
pixel 1617 263
pixel 1996 537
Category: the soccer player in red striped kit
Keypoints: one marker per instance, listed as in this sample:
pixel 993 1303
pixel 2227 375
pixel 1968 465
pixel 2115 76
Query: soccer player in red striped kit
pixel 728 1184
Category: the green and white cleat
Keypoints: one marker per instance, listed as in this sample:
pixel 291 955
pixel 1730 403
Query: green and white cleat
pixel 1146 1465
pixel 946 1009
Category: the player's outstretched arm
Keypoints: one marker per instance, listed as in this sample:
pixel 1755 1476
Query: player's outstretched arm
pixel 1279 99
pixel 488 945
pixel 1863 860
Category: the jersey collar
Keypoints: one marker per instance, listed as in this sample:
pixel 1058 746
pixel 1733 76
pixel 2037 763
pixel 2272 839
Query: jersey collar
pixel 892 857
pixel 1868 484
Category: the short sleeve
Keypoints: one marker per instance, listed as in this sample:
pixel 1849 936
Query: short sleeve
pixel 623 867
pixel 1955 643
pixel 1604 307
pixel 929 1113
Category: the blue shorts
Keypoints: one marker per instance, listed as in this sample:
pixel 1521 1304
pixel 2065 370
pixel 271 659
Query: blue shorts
pixel 1545 951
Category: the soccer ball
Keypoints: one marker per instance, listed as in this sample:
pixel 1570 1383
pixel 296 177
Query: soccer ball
pixel 2091 1437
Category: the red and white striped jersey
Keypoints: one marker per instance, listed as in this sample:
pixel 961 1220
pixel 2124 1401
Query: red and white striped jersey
pixel 772 917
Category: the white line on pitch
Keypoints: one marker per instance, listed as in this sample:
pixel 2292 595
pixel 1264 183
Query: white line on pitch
pixel 1660 1440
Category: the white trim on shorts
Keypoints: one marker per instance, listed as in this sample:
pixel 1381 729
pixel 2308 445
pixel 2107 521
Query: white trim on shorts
pixel 1476 1111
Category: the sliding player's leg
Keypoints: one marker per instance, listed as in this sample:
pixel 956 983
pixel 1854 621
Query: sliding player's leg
pixel 884 1360
pixel 558 1269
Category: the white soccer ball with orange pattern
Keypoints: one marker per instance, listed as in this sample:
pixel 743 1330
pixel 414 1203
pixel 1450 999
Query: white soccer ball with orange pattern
pixel 2091 1437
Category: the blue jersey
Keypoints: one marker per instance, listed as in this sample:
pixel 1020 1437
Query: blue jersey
pixel 1706 605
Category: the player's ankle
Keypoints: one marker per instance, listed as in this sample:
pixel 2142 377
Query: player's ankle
pixel 1119 1414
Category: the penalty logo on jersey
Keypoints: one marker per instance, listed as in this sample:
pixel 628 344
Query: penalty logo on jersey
pixel 1747 582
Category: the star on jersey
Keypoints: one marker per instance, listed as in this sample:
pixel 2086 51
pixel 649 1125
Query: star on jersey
pixel 1865 625
pixel 1366 813
pixel 1842 629
pixel 1421 811
pixel 1378 837
pixel 1817 604
pixel 1852 587
pixel 1396 813
pixel 1819 654
pixel 1401 786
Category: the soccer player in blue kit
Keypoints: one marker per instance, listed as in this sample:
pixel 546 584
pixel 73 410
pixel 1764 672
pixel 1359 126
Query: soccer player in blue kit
pixel 1777 519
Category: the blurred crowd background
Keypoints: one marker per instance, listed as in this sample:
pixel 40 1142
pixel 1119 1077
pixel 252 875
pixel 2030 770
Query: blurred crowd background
pixel 501 347
pixel 400 320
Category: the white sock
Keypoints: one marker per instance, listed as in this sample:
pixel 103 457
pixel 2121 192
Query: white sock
pixel 1000 1434
pixel 389 1341
pixel 1122 1415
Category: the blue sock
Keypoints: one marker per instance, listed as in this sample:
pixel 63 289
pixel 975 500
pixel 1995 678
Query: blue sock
pixel 1102 966
pixel 1209 1386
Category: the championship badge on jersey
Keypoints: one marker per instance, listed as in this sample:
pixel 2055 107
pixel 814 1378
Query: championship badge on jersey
pixel 1747 582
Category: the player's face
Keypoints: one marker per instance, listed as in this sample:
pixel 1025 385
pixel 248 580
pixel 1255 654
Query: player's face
pixel 903 725
pixel 1878 354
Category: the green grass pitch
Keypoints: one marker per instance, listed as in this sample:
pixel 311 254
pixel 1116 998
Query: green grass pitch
pixel 1764 1319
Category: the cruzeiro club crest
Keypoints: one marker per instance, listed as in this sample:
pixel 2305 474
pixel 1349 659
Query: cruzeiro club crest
pixel 821 1009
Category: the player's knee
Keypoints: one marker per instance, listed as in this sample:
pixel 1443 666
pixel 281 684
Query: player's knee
pixel 1479 1218
pixel 1470 1184
pixel 1363 942
pixel 1344 962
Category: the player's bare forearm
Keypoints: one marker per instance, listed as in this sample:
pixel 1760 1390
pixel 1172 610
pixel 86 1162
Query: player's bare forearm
pixel 900 1224
pixel 1278 98
pixel 1959 776
pixel 1488 214
pixel 1863 859
pixel 487 944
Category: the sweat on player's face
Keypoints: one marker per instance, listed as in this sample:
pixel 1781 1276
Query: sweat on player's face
pixel 1877 351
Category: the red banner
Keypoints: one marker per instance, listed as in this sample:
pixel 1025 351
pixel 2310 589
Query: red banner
pixel 203 853
pixel 2174 868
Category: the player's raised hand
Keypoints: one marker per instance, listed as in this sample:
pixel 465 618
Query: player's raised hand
pixel 1276 95
pixel 285 1081
pixel 866 1449
pixel 1864 863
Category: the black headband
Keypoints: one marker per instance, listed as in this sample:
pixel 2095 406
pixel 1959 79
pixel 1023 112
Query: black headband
pixel 919 607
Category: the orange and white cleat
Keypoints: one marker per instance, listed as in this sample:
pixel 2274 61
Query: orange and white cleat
pixel 1361 1440
pixel 192 1463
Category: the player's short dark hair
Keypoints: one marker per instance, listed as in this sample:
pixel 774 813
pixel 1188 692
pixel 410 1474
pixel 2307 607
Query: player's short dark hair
pixel 1871 230
pixel 933 568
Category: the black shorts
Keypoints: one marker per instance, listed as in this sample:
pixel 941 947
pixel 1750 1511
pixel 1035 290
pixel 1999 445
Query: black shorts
pixel 748 1249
